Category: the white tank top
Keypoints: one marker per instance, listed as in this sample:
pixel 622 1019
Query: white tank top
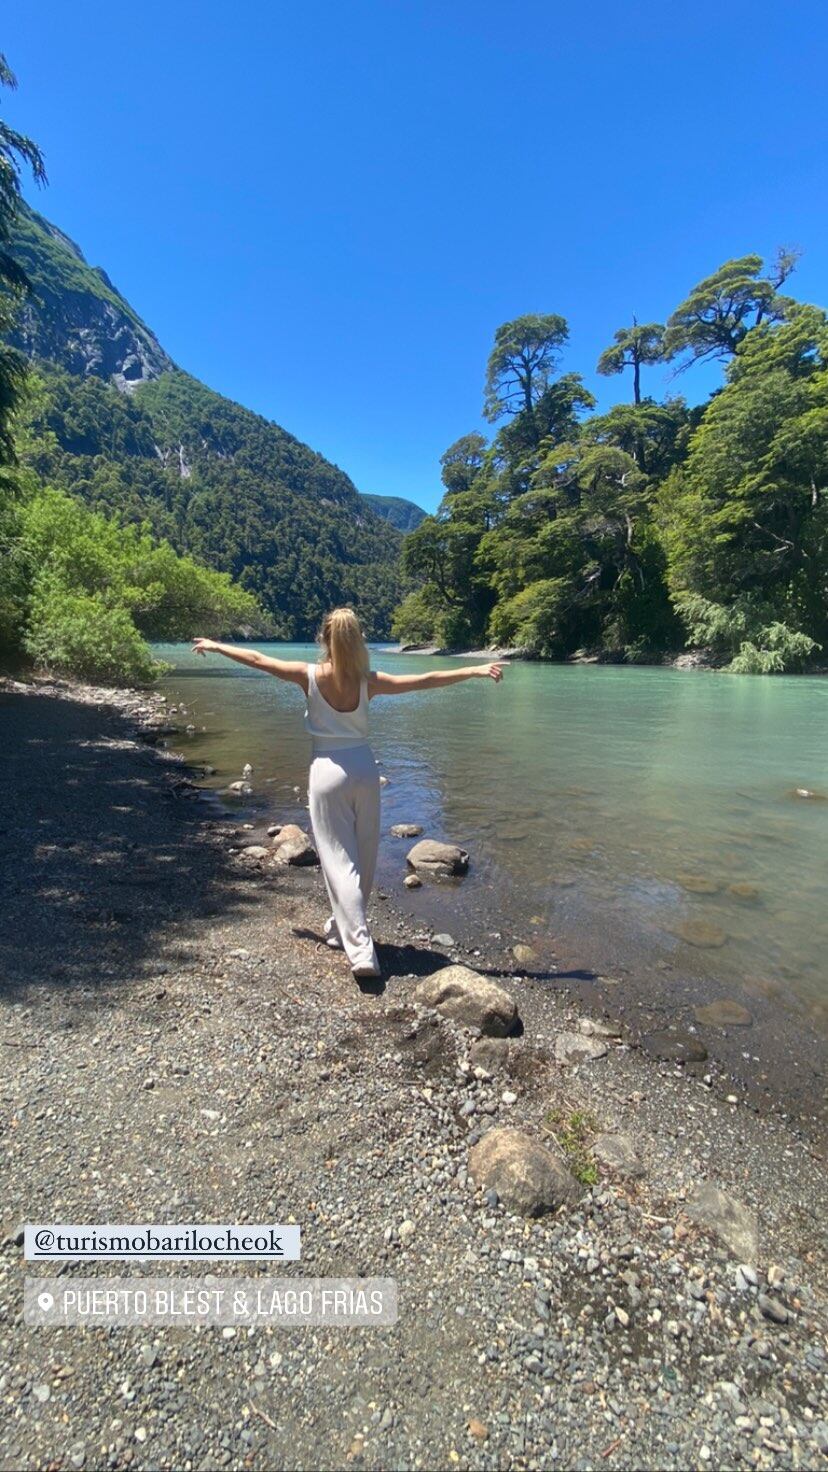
pixel 332 729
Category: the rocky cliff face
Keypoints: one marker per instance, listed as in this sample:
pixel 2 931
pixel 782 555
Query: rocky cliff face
pixel 75 316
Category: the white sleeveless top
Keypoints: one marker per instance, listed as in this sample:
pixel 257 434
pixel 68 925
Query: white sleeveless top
pixel 333 730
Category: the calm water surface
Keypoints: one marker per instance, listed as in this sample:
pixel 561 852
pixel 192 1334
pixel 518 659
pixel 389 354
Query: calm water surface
pixel 634 816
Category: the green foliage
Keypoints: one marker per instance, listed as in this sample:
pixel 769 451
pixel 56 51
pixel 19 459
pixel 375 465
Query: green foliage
pixel 16 151
pixel 624 533
pixel 746 633
pixel 720 311
pixel 82 593
pixel 631 348
pixel 573 1131
pixel 221 484
pixel 521 363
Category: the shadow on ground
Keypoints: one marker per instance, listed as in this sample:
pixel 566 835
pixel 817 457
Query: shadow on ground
pixel 103 850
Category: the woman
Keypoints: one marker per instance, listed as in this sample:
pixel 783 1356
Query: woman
pixel 344 783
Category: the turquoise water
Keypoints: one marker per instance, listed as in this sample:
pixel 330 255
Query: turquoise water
pixel 627 815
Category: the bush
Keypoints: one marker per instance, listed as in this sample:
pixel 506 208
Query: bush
pixel 80 634
pixel 80 593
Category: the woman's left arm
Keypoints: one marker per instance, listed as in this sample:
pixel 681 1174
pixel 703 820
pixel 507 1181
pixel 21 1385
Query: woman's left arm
pixel 381 684
pixel 294 670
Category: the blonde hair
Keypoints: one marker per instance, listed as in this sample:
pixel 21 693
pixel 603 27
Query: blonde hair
pixel 344 644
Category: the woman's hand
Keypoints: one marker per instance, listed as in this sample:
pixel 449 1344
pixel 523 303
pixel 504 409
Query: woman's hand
pixel 490 671
pixel 204 646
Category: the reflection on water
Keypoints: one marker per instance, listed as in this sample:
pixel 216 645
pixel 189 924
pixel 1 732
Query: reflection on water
pixel 653 811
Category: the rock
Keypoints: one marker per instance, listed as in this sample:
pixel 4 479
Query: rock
pixel 592 1028
pixel 293 846
pixel 524 955
pixel 247 771
pixel 574 1048
pixel 772 1309
pixel 528 1178
pixel 469 998
pixel 674 1047
pixel 618 1153
pixel 490 1054
pixel 808 793
pixel 254 852
pixel 746 1278
pixel 698 884
pixel 274 829
pixel 508 1097
pixel 477 1430
pixel 41 1393
pixel 723 1013
pixel 413 881
pixel 406 830
pixel 240 789
pixel 742 891
pixel 734 1224
pixel 702 933
pixel 437 860
pixel 406 1231
pixel 443 940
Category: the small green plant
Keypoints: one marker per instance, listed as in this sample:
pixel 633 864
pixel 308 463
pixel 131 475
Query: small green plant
pixel 573 1132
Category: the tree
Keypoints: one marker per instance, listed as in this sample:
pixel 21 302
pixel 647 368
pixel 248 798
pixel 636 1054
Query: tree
pixel 721 310
pixel 15 151
pixel 525 354
pixel 745 518
pixel 632 347
pixel 462 462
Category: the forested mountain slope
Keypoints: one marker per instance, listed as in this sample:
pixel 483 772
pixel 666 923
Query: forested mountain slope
pixel 112 419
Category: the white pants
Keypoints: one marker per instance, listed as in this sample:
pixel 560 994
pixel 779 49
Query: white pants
pixel 344 791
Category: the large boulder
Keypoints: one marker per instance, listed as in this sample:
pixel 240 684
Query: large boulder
pixel 528 1178
pixel 292 845
pixel 735 1224
pixel 438 860
pixel 464 995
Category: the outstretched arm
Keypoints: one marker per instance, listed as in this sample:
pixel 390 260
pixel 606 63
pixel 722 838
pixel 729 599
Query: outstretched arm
pixel 294 670
pixel 380 684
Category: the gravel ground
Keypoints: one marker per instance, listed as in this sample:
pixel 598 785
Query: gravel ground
pixel 179 1045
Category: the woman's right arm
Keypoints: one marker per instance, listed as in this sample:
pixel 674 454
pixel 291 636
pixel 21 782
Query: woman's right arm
pixel 294 670
pixel 380 684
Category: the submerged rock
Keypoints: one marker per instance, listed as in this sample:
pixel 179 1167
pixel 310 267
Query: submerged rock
pixel 701 933
pixel 438 860
pixel 741 891
pixel 723 1013
pixel 469 998
pixel 406 830
pixel 674 1047
pixel 529 1179
pixel 524 955
pixel 735 1224
pixel 698 883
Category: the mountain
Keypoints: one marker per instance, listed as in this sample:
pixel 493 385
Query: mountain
pixel 113 420
pixel 404 515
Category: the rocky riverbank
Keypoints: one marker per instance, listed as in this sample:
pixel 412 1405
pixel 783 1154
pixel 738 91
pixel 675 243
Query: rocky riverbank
pixel 181 1045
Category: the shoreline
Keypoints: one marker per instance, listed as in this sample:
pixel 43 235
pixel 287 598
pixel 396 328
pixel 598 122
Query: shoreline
pixel 183 992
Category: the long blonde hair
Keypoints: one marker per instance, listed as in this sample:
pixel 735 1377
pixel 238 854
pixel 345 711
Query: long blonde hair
pixel 343 643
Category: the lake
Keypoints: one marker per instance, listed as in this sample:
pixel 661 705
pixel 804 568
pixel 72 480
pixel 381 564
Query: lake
pixel 632 820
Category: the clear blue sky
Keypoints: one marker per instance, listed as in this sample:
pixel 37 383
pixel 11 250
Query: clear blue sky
pixel 325 210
